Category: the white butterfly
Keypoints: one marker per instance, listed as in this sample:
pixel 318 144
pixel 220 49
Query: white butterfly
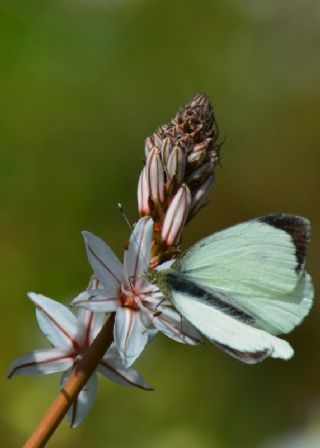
pixel 242 286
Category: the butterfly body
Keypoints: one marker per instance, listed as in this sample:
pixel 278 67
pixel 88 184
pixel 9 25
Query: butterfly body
pixel 242 286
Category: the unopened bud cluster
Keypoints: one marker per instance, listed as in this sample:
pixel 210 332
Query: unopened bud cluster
pixel 180 158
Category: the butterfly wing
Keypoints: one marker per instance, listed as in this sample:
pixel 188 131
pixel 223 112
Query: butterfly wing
pixel 258 268
pixel 233 335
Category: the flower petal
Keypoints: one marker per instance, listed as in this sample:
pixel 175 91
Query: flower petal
pixel 94 283
pixel 152 332
pixel 137 256
pixel 98 300
pixel 89 325
pixel 164 265
pixel 55 320
pixel 41 362
pixel 111 366
pixel 97 323
pixel 130 334
pixel 106 266
pixel 84 321
pixel 84 401
pixel 173 325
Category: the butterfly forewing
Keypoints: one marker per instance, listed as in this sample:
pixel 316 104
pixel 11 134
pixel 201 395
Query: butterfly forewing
pixel 250 256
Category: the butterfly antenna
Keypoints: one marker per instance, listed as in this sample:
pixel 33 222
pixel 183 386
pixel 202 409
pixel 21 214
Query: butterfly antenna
pixel 123 213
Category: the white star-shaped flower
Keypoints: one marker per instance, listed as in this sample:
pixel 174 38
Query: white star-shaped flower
pixel 124 289
pixel 70 337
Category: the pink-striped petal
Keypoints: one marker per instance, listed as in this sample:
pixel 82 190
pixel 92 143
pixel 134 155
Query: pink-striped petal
pixel 111 366
pixel 89 325
pixel 98 300
pixel 173 325
pixel 130 334
pixel 106 266
pixel 84 321
pixel 94 283
pixel 97 323
pixel 41 362
pixel 55 320
pixel 84 401
pixel 137 256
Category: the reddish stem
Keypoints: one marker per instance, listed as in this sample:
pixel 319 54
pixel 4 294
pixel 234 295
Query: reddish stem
pixel 77 379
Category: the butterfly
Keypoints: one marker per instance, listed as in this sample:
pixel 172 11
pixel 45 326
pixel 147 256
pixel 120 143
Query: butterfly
pixel 243 286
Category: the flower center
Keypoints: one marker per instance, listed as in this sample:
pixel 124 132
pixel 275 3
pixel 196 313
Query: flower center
pixel 129 298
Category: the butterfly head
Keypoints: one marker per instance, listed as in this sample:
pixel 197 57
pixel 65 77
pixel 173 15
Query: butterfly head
pixel 153 276
pixel 159 278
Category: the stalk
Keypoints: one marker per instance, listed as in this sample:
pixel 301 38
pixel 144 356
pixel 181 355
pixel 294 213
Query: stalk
pixel 76 381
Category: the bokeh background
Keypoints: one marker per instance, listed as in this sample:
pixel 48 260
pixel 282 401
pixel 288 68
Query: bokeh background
pixel 82 84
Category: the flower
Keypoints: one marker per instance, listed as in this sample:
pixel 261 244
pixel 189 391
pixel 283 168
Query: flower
pixel 71 336
pixel 139 305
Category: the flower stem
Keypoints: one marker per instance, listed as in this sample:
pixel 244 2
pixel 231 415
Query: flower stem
pixel 76 381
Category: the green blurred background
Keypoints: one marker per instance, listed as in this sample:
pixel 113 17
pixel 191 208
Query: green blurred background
pixel 82 84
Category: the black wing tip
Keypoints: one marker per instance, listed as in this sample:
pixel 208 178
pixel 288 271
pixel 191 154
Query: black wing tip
pixel 280 217
pixel 297 227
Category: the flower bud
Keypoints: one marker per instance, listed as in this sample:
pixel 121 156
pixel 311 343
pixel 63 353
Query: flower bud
pixel 183 151
pixel 176 164
pixel 148 145
pixel 200 194
pixel 166 149
pixel 214 154
pixel 158 138
pixel 155 176
pixel 143 194
pixel 196 157
pixel 201 172
pixel 200 146
pixel 176 216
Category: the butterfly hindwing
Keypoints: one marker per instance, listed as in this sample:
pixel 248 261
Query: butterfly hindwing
pixel 279 314
pixel 233 335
